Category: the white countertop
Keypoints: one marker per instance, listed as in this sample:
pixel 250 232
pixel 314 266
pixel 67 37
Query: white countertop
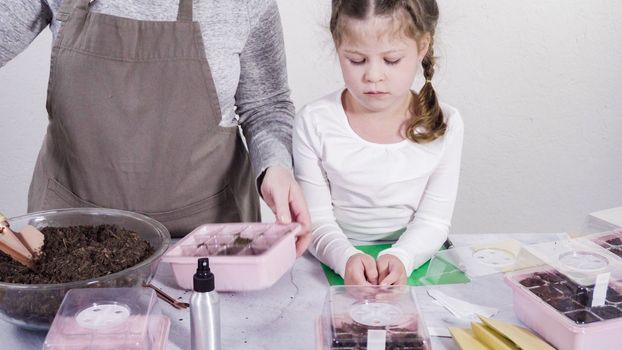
pixel 283 316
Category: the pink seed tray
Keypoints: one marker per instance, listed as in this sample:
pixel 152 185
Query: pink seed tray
pixel 559 310
pixel 612 241
pixel 242 256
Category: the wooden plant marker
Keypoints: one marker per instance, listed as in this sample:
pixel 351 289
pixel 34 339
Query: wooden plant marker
pixel 21 246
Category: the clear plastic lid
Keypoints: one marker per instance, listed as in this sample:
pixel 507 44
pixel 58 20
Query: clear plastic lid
pixel 481 259
pixel 609 240
pixel 372 317
pixel 604 220
pixel 108 318
pixel 579 259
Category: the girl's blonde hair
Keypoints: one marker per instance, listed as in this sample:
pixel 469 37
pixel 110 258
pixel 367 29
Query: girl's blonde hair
pixel 417 19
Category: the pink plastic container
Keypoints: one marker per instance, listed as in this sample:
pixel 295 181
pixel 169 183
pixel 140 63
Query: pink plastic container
pixel 242 256
pixel 109 318
pixel 611 240
pixel 594 328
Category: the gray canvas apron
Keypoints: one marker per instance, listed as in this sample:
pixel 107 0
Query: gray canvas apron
pixel 133 124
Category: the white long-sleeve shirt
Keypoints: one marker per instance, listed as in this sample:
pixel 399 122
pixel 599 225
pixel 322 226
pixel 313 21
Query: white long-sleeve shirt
pixel 359 190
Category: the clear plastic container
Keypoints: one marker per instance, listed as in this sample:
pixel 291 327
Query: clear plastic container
pixel 109 318
pixel 33 306
pixel 242 256
pixel 579 259
pixel 481 259
pixel 610 240
pixel 559 309
pixel 371 317
pixel 603 220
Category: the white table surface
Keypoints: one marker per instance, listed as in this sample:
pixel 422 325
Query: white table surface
pixel 283 316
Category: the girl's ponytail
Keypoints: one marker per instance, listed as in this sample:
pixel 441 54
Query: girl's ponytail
pixel 427 122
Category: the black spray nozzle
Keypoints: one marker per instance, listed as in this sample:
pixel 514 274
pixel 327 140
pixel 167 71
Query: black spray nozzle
pixel 203 280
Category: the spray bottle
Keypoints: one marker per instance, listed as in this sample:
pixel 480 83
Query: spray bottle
pixel 204 310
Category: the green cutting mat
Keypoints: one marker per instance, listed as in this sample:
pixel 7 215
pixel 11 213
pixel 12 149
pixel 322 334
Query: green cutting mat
pixel 444 273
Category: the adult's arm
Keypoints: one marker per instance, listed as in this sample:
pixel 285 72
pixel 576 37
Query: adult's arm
pixel 20 23
pixel 263 98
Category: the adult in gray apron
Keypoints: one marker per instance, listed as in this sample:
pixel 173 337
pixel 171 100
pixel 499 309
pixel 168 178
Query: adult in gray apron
pixel 133 124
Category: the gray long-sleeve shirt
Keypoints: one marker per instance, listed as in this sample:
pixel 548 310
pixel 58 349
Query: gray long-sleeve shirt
pixel 244 47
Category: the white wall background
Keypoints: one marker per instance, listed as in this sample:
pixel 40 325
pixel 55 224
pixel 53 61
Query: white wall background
pixel 538 84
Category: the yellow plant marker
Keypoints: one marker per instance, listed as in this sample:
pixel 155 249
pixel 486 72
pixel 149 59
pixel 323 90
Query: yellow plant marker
pixel 520 336
pixel 491 338
pixel 465 340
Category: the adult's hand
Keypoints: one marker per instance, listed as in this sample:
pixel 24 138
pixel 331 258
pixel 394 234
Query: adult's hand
pixel 361 270
pixel 282 194
pixel 391 270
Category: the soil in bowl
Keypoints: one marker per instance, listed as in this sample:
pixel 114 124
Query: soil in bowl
pixel 77 253
pixel 69 254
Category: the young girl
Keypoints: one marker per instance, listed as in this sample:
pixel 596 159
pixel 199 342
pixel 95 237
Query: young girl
pixel 377 161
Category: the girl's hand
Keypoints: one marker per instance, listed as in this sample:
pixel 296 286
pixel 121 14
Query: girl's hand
pixel 282 194
pixel 361 270
pixel 391 271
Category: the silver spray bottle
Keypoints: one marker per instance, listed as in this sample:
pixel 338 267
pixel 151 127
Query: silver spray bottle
pixel 204 310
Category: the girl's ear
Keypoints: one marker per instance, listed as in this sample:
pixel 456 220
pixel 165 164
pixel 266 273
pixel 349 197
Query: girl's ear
pixel 423 46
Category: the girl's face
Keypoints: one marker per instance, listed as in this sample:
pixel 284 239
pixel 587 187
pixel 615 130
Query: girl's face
pixel 378 63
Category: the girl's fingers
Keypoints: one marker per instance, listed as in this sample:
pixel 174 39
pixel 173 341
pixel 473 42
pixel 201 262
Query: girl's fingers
pixel 392 278
pixel 383 269
pixel 371 272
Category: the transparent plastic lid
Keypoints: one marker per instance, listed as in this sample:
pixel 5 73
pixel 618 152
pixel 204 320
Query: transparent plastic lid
pixel 108 318
pixel 609 240
pixel 372 317
pixel 579 259
pixel 481 259
pixel 604 220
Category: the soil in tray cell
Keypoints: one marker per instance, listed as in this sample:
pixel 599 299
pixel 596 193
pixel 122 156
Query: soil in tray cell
pixel 582 316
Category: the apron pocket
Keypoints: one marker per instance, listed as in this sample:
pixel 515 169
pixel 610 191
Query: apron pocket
pixel 58 196
pixel 220 207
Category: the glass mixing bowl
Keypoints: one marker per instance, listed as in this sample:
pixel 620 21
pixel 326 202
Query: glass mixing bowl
pixel 34 306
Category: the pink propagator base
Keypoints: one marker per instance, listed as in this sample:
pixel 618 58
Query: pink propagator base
pixel 269 255
pixel 109 318
pixel 119 337
pixel 556 328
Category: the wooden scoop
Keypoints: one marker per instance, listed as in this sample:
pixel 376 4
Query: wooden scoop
pixel 21 246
